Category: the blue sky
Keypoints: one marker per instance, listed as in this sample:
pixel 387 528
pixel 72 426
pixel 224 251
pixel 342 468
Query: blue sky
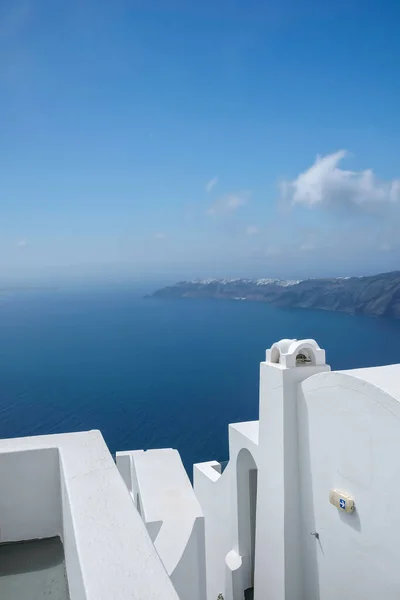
pixel 173 138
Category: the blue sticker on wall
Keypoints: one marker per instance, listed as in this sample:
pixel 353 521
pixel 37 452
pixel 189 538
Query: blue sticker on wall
pixel 342 503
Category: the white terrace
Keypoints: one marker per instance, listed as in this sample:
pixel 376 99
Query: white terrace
pixel 306 509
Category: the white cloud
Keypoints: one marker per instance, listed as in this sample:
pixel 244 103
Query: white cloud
pixel 210 184
pixel 229 204
pixel 21 243
pixel 325 183
pixel 252 230
pixel 160 235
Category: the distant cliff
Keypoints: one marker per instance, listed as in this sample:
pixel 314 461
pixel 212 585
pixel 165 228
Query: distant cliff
pixel 372 295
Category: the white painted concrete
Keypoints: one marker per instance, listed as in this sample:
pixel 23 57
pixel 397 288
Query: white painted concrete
pixel 349 431
pixel 30 497
pixel 234 584
pixel 68 485
pixel 263 461
pixel 317 431
pixel 215 497
pixel 264 522
pixel 278 548
pixel 228 571
pixel 160 486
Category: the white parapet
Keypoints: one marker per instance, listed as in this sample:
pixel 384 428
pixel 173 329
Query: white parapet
pixel 68 486
pixel 164 497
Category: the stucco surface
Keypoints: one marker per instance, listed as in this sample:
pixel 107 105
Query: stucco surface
pixel 163 493
pixel 108 552
pixel 349 431
pixel 218 497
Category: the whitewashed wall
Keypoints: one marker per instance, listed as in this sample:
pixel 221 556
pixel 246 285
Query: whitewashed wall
pixel 30 495
pixel 349 438
pixel 227 520
pixel 161 490
pixel 214 495
pixel 68 485
pixel 278 573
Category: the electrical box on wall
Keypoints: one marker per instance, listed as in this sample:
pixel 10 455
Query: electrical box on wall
pixel 342 501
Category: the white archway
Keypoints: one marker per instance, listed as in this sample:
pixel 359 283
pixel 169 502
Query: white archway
pixel 246 477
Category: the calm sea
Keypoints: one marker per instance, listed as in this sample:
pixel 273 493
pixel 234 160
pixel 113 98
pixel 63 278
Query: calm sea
pixel 156 373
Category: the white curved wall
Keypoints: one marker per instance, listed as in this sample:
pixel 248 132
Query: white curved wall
pixel 228 571
pixel 214 494
pixel 349 438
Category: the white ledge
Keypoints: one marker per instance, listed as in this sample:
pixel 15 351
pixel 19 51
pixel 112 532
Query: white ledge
pixel 68 485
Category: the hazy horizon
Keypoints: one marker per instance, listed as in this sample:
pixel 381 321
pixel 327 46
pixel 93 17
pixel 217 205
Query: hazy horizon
pixel 151 280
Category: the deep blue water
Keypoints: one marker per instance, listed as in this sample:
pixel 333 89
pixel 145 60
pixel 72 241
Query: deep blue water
pixel 156 373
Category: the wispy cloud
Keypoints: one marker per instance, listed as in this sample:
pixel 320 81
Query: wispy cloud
pixel 229 204
pixel 252 230
pixel 22 243
pixel 211 184
pixel 160 235
pixel 326 184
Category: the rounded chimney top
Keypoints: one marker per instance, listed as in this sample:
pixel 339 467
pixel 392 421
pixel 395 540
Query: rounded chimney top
pixel 296 353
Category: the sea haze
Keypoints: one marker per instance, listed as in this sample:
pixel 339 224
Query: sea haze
pixel 154 373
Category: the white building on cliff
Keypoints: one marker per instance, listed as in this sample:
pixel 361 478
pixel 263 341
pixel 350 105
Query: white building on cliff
pixel 306 509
